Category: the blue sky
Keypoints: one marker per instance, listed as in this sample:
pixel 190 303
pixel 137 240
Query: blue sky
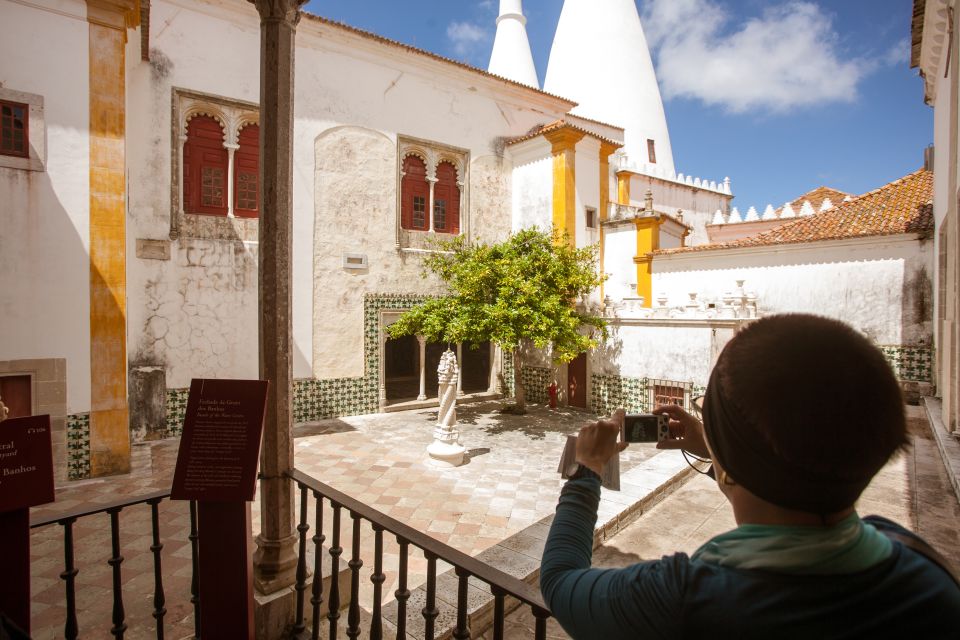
pixel 815 92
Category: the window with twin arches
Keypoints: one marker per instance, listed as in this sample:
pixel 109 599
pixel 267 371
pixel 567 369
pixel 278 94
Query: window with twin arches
pixel 431 190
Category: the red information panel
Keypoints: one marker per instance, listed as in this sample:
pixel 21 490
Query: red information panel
pixel 220 445
pixel 26 463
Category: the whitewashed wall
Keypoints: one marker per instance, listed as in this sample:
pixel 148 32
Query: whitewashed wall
pixel 620 247
pixel 44 215
pixel 532 199
pixel 354 98
pixel 880 286
pixel 677 350
pixel 588 187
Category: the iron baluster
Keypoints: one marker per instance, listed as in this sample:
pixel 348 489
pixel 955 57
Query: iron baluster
pixel 402 593
pixel 159 600
pixel 498 611
pixel 430 611
pixel 377 578
pixel 462 632
pixel 316 598
pixel 119 626
pixel 541 629
pixel 333 603
pixel 194 538
pixel 70 628
pixel 353 618
pixel 301 584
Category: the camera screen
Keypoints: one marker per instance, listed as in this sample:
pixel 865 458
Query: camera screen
pixel 641 428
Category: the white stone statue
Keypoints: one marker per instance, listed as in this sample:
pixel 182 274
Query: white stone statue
pixel 446 450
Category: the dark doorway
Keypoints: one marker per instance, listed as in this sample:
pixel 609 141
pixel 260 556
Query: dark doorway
pixel 577 382
pixel 17 394
pixel 401 368
pixel 475 368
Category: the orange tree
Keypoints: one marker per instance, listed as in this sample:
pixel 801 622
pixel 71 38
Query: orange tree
pixel 516 293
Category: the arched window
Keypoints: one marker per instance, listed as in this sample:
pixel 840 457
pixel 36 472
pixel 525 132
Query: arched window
pixel 414 194
pixel 446 200
pixel 247 172
pixel 205 168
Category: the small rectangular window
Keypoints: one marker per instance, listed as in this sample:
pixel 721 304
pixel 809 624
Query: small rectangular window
pixel 591 218
pixel 668 394
pixel 14 129
pixel 419 212
pixel 440 215
pixel 652 151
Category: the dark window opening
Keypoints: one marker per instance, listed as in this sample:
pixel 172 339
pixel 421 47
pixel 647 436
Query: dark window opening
pixel 14 129
pixel 652 151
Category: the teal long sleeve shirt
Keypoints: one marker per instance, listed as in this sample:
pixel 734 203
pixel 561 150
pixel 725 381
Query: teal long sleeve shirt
pixel 675 597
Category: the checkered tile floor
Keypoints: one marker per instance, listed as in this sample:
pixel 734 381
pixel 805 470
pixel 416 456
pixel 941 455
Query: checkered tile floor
pixel 509 483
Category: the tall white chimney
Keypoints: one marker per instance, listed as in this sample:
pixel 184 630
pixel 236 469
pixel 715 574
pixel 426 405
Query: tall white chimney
pixel 511 57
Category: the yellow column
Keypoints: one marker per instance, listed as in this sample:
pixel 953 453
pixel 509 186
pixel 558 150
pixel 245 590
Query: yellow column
pixel 623 187
pixel 564 144
pixel 648 240
pixel 109 422
pixel 606 148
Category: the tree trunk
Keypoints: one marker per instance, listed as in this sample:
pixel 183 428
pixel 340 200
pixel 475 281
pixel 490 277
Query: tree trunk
pixel 517 384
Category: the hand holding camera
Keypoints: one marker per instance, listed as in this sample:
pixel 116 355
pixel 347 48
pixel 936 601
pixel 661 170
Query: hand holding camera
pixel 686 432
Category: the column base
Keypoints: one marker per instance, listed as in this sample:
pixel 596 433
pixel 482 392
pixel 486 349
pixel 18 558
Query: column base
pixel 443 454
pixel 274 564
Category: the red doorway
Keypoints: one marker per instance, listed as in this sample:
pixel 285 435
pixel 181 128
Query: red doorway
pixel 577 382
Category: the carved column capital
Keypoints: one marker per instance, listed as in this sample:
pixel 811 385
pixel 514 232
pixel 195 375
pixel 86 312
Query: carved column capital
pixel 285 10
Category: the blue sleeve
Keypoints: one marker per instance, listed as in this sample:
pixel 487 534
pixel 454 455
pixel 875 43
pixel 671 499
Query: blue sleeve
pixel 642 600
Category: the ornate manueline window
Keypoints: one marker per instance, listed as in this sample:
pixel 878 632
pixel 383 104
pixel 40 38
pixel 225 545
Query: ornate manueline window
pixel 247 172
pixel 14 129
pixel 205 167
pixel 432 192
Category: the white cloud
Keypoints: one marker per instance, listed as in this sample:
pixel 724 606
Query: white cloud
pixel 786 58
pixel 467 38
pixel 898 54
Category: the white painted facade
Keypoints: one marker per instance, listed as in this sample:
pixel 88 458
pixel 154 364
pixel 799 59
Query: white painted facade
pixel 879 285
pixel 44 214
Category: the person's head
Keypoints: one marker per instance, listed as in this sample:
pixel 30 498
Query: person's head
pixel 802 411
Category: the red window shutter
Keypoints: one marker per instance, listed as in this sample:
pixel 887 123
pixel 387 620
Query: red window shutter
pixel 414 184
pixel 246 168
pixel 205 168
pixel 448 190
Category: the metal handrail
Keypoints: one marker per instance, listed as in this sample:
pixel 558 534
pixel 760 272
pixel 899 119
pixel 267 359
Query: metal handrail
pixel 502 584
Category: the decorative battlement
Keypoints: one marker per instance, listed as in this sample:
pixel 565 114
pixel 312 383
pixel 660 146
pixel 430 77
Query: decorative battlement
pixel 736 304
pixel 623 163
pixel 786 212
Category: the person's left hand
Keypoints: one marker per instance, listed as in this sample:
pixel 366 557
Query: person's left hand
pixel 597 442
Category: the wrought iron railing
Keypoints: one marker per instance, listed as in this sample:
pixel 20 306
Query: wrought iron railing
pixel 113 509
pixel 501 584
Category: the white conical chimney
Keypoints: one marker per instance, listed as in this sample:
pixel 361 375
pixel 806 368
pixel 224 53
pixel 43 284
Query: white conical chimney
pixel 600 59
pixel 511 56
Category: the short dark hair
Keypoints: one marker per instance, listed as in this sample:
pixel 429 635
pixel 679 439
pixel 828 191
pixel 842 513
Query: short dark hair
pixel 819 392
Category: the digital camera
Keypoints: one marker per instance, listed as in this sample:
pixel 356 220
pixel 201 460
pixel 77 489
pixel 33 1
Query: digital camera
pixel 645 427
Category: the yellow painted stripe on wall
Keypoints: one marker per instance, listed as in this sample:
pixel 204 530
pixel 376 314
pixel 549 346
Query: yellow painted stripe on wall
pixel 109 419
pixel 648 239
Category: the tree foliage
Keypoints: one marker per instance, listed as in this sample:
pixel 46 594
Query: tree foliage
pixel 517 292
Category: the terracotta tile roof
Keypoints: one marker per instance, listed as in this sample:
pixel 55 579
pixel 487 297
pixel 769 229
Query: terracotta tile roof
pixel 423 52
pixel 816 198
pixel 555 125
pixel 903 206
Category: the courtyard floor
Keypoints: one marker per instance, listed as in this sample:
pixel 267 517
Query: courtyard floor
pixel 508 488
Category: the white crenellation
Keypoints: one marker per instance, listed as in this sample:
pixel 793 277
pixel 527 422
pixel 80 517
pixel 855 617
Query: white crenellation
pixel 752 215
pixel 624 163
pixel 769 213
pixel 734 216
pixel 806 209
pixel 826 205
pixel 718 218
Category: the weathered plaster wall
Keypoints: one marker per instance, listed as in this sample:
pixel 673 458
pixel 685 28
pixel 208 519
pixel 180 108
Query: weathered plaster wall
pixel 44 241
pixel 490 198
pixel 880 286
pixel 588 187
pixel 533 191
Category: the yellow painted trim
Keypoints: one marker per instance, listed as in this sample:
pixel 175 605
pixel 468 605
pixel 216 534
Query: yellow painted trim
pixel 564 148
pixel 109 415
pixel 606 149
pixel 648 241
pixel 623 187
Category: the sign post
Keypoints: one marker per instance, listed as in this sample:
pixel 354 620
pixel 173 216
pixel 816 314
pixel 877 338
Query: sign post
pixel 26 480
pixel 217 467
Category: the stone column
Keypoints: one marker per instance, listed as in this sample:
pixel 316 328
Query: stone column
pixel 433 183
pixel 422 342
pixel 275 559
pixel 231 181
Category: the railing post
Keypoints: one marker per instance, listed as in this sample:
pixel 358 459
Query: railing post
pixel 159 600
pixel 301 585
pixel 316 598
pixel 69 575
pixel 430 611
pixel 333 603
pixel 353 618
pixel 194 538
pixel 402 593
pixel 377 578
pixel 119 626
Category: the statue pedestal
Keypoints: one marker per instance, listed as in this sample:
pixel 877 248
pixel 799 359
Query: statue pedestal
pixel 445 454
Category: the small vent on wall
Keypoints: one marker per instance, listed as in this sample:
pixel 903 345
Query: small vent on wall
pixel 354 261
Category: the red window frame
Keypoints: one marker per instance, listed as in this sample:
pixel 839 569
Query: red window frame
pixel 8 128
pixel 204 150
pixel 246 163
pixel 652 151
pixel 447 191
pixel 414 183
